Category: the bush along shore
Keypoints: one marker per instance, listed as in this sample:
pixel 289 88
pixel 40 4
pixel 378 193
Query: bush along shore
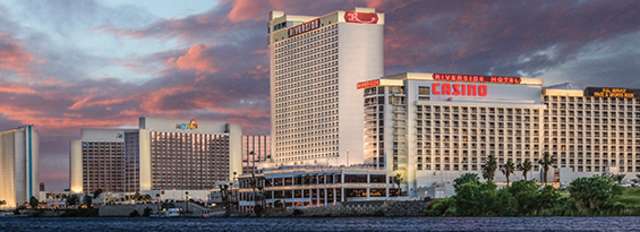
pixel 587 196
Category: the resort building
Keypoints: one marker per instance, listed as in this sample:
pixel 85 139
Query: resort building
pixel 593 131
pixel 431 127
pixel 161 154
pixel 18 166
pixel 315 61
pixel 99 160
pixel 313 186
pixel 256 149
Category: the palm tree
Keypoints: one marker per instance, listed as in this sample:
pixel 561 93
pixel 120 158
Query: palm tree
pixel 508 169
pixel 545 162
pixel 489 168
pixel 525 167
pixel 397 179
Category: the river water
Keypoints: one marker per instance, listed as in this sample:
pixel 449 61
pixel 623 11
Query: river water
pixel 321 224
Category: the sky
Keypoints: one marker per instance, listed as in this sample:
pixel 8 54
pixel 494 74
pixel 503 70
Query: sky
pixel 71 64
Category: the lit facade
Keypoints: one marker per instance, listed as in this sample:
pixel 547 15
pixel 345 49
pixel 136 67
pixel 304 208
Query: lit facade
pixel 594 130
pixel 315 62
pixel 18 166
pixel 314 186
pixel 431 127
pixel 100 161
pixel 161 154
pixel 256 149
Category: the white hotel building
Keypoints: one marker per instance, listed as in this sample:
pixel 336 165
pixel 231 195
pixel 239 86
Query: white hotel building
pixel 18 166
pixel 315 62
pixel 432 127
pixel 161 154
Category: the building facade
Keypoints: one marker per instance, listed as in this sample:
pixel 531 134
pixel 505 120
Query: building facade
pixel 314 63
pixel 101 163
pixel 314 186
pixel 18 166
pixel 256 149
pixel 161 154
pixel 430 128
pixel 592 131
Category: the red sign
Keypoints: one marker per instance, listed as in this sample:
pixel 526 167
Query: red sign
pixel 368 84
pixel 305 27
pixel 476 78
pixel 360 17
pixel 448 89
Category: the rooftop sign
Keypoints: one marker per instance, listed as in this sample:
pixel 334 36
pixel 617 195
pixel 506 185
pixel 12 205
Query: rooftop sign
pixel 611 92
pixel 360 17
pixel 304 27
pixel 477 78
pixel 193 124
pixel 368 84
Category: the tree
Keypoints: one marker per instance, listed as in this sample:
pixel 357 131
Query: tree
pixel 398 179
pixel 489 168
pixel 3 202
pixel 525 167
pixel 593 194
pixel 97 193
pixel 87 200
pixel 617 178
pixel 526 195
pixel 33 202
pixel 508 169
pixel 72 200
pixel 465 178
pixel 545 163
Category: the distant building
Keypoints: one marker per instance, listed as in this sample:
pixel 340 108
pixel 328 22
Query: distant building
pixel 161 154
pixel 18 165
pixel 255 150
pixel 315 62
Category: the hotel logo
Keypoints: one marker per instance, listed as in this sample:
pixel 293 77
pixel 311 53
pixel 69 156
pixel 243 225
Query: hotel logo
pixel 193 124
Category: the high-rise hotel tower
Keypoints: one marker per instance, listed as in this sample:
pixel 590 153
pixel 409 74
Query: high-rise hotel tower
pixel 315 62
pixel 18 166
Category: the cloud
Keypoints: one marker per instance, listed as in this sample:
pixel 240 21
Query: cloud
pixel 13 57
pixel 243 10
pixel 214 65
pixel 196 59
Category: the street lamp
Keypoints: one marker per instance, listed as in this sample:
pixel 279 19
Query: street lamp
pixel 186 203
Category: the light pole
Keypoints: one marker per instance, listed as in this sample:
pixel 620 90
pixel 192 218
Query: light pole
pixel 186 202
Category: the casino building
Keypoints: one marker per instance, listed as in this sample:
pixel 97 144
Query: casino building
pixel 18 166
pixel 161 154
pixel 432 127
pixel 315 62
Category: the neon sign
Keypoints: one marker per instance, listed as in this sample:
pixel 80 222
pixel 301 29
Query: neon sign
pixel 360 17
pixel 471 90
pixel 611 92
pixel 193 124
pixel 305 27
pixel 368 84
pixel 477 78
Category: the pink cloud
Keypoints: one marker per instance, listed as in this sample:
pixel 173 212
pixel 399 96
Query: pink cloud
pixel 195 59
pixel 13 57
pixel 244 10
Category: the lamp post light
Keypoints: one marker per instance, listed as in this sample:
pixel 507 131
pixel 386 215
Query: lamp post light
pixel 186 202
